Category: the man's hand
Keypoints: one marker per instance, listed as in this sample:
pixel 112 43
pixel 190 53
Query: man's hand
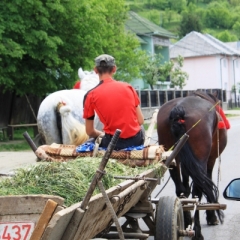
pixel 90 130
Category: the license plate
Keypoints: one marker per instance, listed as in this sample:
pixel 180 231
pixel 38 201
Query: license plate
pixel 16 230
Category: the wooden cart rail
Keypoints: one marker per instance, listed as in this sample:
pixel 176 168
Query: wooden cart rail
pixel 74 224
pixel 19 215
pixel 52 221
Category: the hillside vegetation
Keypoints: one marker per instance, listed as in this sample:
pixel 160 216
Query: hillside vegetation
pixel 220 18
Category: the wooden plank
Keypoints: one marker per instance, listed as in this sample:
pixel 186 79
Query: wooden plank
pixel 58 209
pixel 148 134
pixel 25 204
pixel 59 222
pixel 65 223
pixel 23 125
pixel 44 219
pixel 20 218
pixel 11 128
pixel 73 225
pixel 97 216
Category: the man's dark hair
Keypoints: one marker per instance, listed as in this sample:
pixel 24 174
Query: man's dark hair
pixel 104 68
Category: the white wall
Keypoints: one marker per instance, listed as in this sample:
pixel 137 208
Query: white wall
pixel 204 72
pixel 212 72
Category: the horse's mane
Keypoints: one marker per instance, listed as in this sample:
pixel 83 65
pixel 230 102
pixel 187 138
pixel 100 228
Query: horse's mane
pixel 205 95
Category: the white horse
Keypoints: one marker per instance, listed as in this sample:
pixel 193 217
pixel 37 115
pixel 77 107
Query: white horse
pixel 69 105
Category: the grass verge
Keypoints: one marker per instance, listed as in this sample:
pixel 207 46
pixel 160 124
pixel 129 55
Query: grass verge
pixel 19 143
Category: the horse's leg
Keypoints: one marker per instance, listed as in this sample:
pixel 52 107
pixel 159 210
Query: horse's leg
pixel 197 226
pixel 48 127
pixel 176 177
pixel 185 181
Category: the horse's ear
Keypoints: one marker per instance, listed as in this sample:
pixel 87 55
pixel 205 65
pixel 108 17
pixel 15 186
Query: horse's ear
pixel 81 74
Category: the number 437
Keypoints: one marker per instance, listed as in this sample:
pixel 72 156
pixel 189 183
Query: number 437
pixel 16 231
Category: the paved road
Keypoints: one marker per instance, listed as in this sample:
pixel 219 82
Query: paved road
pixel 12 160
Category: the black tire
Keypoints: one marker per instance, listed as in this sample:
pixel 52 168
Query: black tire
pixel 169 219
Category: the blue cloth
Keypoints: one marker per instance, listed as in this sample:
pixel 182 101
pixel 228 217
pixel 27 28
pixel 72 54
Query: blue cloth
pixel 89 145
pixel 133 148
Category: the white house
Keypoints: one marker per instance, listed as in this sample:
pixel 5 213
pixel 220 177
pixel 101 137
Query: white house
pixel 210 63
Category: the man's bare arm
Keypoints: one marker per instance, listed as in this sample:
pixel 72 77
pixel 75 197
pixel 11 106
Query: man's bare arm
pixel 90 130
pixel 139 115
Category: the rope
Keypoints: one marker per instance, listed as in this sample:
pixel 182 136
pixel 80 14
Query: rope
pixel 163 186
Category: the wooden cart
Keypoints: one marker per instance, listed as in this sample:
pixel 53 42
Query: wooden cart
pixel 45 217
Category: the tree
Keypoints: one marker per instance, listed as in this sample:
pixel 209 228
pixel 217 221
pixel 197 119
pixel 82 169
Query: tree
pixel 225 36
pixel 177 5
pixel 236 28
pixel 44 42
pixel 190 22
pixel 154 71
pixel 150 69
pixel 178 77
pixel 234 2
pixel 190 1
pixel 169 15
pixel 218 16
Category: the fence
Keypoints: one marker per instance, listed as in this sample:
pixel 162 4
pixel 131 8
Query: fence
pixel 18 110
pixel 234 104
pixel 15 109
pixel 156 98
pixel 233 100
pixel 152 99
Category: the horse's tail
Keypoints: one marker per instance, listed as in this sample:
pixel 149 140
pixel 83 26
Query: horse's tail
pixel 190 163
pixel 71 128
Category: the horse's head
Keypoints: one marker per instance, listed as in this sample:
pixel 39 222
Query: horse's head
pixel 88 79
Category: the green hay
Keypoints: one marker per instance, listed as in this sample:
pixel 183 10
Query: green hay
pixel 69 180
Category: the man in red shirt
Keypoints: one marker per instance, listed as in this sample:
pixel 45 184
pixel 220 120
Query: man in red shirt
pixel 117 106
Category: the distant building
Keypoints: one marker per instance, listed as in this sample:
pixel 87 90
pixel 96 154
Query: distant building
pixel 209 62
pixel 153 39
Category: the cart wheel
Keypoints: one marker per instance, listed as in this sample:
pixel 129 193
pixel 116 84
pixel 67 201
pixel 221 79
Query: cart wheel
pixel 169 218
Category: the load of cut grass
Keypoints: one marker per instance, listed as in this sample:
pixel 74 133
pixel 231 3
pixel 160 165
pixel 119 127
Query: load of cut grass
pixel 69 180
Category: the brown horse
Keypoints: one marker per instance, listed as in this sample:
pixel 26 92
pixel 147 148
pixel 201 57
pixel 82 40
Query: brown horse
pixel 198 155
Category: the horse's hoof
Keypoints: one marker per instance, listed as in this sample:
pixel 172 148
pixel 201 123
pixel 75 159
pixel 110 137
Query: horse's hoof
pixel 212 223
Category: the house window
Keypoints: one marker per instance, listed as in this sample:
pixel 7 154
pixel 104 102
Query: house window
pixel 224 62
pixel 237 64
